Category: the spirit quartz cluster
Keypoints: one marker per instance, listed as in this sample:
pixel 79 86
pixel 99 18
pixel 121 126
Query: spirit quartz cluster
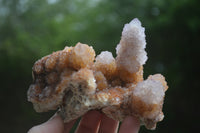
pixel 74 81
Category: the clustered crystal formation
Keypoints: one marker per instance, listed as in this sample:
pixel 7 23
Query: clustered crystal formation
pixel 74 81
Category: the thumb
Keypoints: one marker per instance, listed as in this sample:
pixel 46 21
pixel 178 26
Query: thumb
pixel 53 125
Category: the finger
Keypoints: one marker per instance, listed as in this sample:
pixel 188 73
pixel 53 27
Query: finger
pixel 68 126
pixel 90 122
pixel 108 125
pixel 130 125
pixel 54 125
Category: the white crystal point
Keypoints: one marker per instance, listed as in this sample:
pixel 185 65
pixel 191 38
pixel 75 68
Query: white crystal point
pixel 130 51
pixel 150 91
pixel 105 57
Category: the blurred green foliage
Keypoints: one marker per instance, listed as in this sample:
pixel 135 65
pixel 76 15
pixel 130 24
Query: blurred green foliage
pixel 32 29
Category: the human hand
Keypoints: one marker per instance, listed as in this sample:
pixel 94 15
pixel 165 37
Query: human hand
pixel 91 122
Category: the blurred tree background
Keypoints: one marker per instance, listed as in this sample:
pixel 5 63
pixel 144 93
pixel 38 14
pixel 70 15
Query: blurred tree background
pixel 30 29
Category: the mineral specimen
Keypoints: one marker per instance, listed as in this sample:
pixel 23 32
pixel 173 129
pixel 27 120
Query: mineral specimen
pixel 74 81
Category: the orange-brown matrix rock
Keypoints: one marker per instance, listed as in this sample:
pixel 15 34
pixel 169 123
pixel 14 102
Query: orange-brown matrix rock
pixel 74 81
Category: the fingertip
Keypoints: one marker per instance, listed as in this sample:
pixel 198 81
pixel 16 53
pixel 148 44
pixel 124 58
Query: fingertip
pixel 54 124
pixel 130 125
pixel 108 125
pixel 34 130
pixel 90 122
